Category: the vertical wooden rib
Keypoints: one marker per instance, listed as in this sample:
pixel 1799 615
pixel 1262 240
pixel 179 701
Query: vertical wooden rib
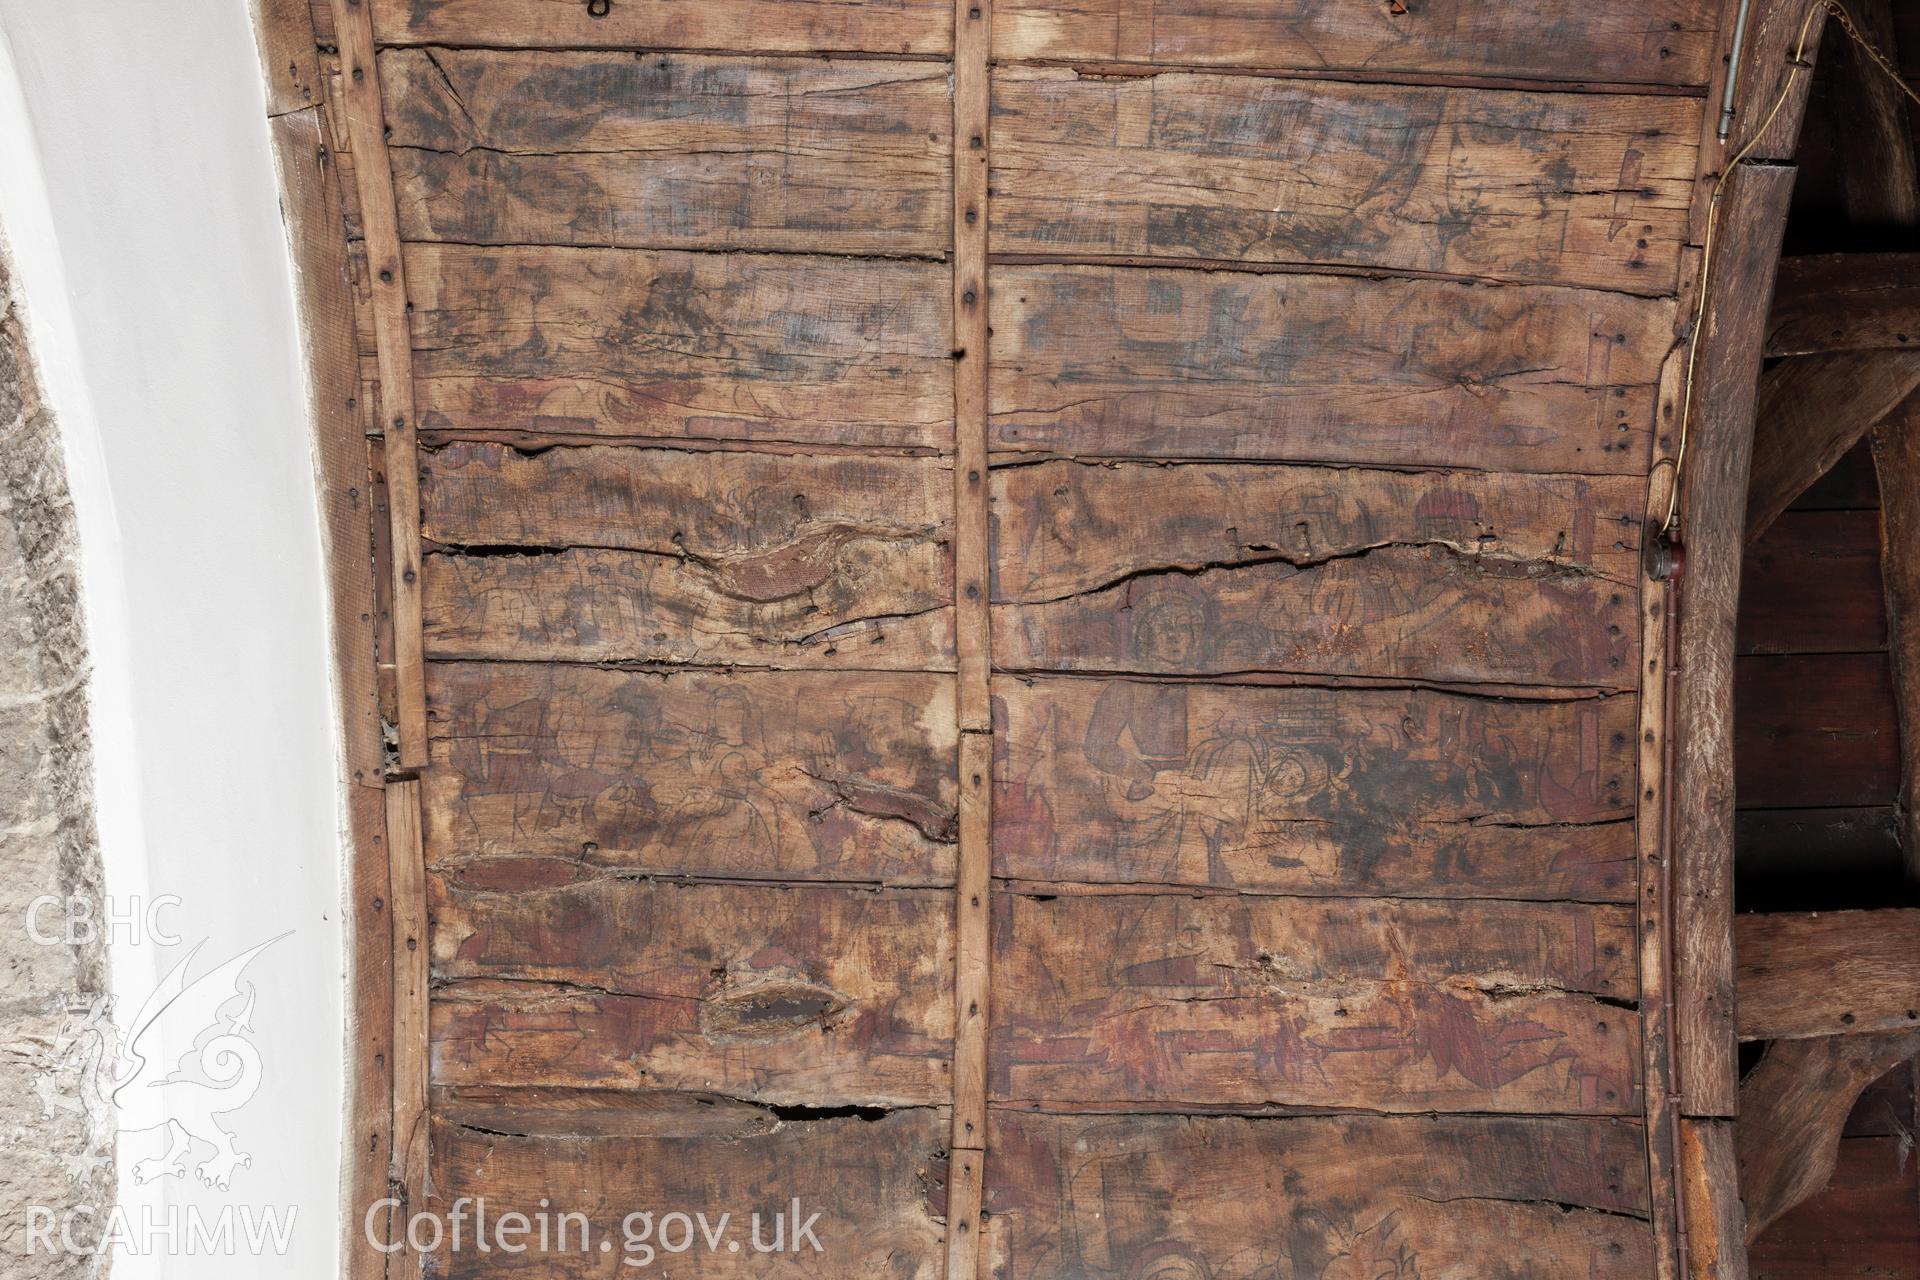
pixel 407 891
pixel 971 19
pixel 1896 460
pixel 366 129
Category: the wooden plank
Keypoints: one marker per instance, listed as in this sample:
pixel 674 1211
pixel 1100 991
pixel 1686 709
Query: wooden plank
pixel 1815 732
pixel 702 346
pixel 669 151
pixel 1405 794
pixel 366 130
pixel 1827 973
pixel 1253 169
pixel 408 892
pixel 1792 1109
pixel 1425 613
pixel 1833 302
pixel 1864 1219
pixel 1812 410
pixel 559 976
pixel 1182 1001
pixel 1783 37
pixel 1641 42
pixel 1713 507
pixel 1896 461
pixel 1811 584
pixel 764 777
pixel 1710 1191
pixel 973 957
pixel 1243 1199
pixel 1065 528
pixel 1167 362
pixel 864 1178
pixel 763 26
pixel 283 32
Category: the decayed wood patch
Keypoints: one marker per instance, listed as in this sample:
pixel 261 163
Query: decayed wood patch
pixel 1638 41
pixel 1182 363
pixel 669 150
pixel 1555 188
pixel 1425 613
pixel 867 1180
pixel 1378 1004
pixel 1065 528
pixel 682 345
pixel 770 776
pixel 771 26
pixel 811 995
pixel 1449 1198
pixel 1399 793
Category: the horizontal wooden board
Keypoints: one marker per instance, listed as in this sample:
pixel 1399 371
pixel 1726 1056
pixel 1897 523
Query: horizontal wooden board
pixel 814 995
pixel 1158 361
pixel 764 26
pixel 1638 41
pixel 1811 584
pixel 1580 189
pixel 1311 791
pixel 1230 1198
pixel 669 150
pixel 1815 731
pixel 766 776
pixel 1427 613
pixel 1065 528
pixel 1806 975
pixel 682 345
pixel 1377 1004
pixel 1845 302
pixel 865 1179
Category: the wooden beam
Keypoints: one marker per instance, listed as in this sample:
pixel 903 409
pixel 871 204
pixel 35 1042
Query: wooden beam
pixel 1752 216
pixel 1812 410
pixel 1792 1109
pixel 1832 302
pixel 1827 973
pixel 1896 460
pixel 1874 143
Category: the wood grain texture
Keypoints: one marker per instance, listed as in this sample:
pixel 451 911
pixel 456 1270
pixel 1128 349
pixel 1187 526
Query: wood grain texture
pixel 1829 973
pixel 1246 1199
pixel 1568 189
pixel 699 346
pixel 811 995
pixel 1811 584
pixel 1863 1218
pixel 1815 732
pixel 1310 791
pixel 1874 150
pixel 1710 1191
pixel 1668 44
pixel 1845 302
pixel 669 151
pixel 866 1180
pixel 1896 461
pixel 407 890
pixel 1386 1005
pixel 767 26
pixel 770 776
pixel 1812 410
pixel 1104 361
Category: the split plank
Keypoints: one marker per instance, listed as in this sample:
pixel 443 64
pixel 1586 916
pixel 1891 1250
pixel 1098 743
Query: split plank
pixel 1165 362
pixel 1386 1005
pixel 696 346
pixel 556 976
pixel 1309 791
pixel 1427 613
pixel 669 151
pixel 1828 973
pixel 1812 410
pixel 761 26
pixel 865 1179
pixel 1831 302
pixel 1635 42
pixel 1245 1199
pixel 1550 188
pixel 769 776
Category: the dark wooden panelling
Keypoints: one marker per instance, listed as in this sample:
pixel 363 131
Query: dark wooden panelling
pixel 1157 361
pixel 669 151
pixel 770 26
pixel 681 345
pixel 1811 584
pixel 1226 1198
pixel 1404 794
pixel 1815 732
pixel 557 976
pixel 1849 486
pixel 1639 41
pixel 1866 1222
pixel 1569 189
pixel 1786 842
pixel 770 776
pixel 1845 302
pixel 1378 1004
